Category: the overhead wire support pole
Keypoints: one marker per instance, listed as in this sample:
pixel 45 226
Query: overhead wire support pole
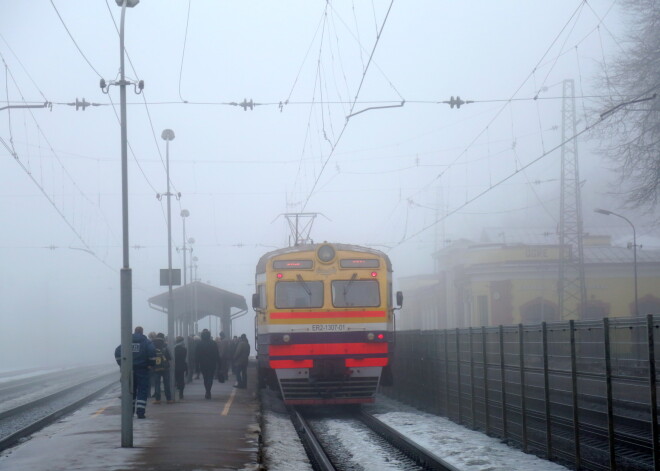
pixel 126 296
pixel 168 135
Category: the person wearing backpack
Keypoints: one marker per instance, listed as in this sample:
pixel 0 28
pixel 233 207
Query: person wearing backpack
pixel 162 368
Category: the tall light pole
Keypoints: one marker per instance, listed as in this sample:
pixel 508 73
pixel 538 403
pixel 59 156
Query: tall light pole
pixel 126 296
pixel 168 135
pixel 610 213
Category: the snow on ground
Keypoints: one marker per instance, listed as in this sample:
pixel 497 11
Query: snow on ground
pixel 13 375
pixel 96 446
pixel 51 386
pixel 465 449
pixel 283 450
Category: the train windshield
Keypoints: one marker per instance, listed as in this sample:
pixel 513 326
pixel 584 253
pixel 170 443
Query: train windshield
pixel 353 293
pixel 298 294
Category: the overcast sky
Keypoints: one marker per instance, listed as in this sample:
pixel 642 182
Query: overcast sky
pixel 381 177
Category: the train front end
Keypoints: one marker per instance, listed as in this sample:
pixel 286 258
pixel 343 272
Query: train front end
pixel 325 323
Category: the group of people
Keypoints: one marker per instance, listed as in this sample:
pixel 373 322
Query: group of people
pixel 213 358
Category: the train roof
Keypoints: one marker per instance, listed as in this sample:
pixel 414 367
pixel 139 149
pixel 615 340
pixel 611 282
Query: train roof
pixel 261 265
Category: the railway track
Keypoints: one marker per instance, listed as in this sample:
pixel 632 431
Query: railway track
pixel 25 419
pixel 377 445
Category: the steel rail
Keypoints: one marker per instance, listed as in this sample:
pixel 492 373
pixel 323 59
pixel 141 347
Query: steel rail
pixel 315 452
pixel 419 454
pixel 37 425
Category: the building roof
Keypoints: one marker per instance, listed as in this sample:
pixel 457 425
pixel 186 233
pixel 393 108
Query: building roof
pixel 200 300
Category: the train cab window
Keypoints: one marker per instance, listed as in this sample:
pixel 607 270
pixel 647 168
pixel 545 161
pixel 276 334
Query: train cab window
pixel 354 293
pixel 298 294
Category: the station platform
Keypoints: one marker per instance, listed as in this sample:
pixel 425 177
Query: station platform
pixel 192 434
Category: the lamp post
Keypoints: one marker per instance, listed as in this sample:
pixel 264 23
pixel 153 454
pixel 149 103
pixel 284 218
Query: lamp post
pixel 610 213
pixel 168 135
pixel 126 296
pixel 184 214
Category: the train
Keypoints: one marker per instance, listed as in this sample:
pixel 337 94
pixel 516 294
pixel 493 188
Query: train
pixel 325 324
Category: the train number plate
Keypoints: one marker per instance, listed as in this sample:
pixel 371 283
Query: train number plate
pixel 328 327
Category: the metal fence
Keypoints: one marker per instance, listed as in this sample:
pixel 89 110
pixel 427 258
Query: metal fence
pixel 581 393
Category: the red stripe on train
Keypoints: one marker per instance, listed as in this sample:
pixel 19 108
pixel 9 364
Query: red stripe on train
pixel 304 349
pixel 322 315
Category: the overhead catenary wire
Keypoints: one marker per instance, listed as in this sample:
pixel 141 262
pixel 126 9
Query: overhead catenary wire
pixel 54 205
pixel 341 133
pixel 603 116
pixel 54 153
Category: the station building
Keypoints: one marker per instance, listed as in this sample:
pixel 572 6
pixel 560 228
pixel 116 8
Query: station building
pixel 503 284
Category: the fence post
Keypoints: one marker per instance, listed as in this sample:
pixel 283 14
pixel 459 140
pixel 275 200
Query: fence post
pixel 447 372
pixel 608 384
pixel 546 390
pixel 458 375
pixel 503 383
pixel 474 419
pixel 652 388
pixel 523 412
pixel 485 360
pixel 576 415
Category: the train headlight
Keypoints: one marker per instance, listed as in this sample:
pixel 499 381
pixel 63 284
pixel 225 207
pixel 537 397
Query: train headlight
pixel 370 336
pixel 286 337
pixel 326 253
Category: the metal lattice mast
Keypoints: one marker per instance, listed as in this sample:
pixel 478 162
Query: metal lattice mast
pixel 571 285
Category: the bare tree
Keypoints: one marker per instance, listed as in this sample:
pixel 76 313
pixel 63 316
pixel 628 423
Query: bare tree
pixel 630 131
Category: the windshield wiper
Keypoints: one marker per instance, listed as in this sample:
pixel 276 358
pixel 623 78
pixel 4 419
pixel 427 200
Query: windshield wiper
pixel 304 285
pixel 348 285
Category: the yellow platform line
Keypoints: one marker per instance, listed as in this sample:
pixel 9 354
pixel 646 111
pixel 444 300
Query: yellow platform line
pixel 99 412
pixel 225 411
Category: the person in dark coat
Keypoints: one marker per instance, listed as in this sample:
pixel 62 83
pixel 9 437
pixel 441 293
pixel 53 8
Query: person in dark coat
pixel 207 358
pixel 241 356
pixel 180 365
pixel 162 369
pixel 223 353
pixel 230 355
pixel 144 356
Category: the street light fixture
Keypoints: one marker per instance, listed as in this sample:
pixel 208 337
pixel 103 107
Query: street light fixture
pixel 610 213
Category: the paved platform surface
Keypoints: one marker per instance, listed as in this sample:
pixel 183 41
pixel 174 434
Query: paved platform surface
pixel 193 434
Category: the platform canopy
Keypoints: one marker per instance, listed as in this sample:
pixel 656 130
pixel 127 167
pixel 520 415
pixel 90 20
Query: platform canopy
pixel 197 300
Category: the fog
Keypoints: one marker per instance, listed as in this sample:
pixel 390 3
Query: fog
pixel 404 179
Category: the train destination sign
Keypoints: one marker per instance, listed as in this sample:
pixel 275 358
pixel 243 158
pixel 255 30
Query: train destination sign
pixel 359 263
pixel 292 264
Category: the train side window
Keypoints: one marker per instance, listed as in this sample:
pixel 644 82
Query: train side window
pixel 298 295
pixel 353 293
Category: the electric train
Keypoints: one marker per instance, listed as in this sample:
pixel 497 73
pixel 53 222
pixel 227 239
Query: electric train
pixel 324 323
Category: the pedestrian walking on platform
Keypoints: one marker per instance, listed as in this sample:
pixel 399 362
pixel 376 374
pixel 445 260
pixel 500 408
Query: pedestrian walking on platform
pixel 207 359
pixel 241 356
pixel 162 369
pixel 144 356
pixel 180 365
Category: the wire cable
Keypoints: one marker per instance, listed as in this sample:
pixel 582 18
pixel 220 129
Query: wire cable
pixel 183 52
pixel 74 41
pixel 364 73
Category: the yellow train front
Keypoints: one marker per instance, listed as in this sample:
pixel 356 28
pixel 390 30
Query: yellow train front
pixel 325 322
